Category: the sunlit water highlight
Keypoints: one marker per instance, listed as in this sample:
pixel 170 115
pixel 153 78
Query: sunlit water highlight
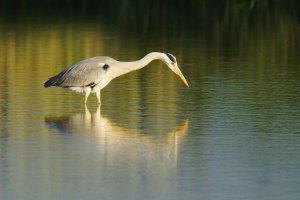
pixel 234 134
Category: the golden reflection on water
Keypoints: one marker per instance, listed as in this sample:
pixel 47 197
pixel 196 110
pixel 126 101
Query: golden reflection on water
pixel 30 53
pixel 240 89
pixel 117 141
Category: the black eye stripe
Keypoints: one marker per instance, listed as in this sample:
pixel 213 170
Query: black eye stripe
pixel 171 57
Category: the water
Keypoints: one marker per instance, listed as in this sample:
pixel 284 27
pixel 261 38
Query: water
pixel 234 134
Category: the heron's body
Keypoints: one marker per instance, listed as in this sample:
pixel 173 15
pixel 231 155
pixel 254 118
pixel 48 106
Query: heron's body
pixel 93 74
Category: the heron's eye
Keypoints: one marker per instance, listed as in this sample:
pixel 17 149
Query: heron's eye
pixel 172 63
pixel 105 67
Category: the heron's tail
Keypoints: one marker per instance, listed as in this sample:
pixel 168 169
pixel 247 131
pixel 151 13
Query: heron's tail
pixel 50 82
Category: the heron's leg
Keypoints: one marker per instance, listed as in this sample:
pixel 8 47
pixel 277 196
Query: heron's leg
pixel 87 93
pixel 98 97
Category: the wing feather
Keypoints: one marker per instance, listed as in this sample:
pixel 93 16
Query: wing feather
pixel 80 74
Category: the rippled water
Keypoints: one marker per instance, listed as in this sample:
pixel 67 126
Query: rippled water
pixel 234 134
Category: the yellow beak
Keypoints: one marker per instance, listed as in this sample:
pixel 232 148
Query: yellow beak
pixel 183 79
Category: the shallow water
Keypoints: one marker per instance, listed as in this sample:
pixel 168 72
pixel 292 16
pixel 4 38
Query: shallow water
pixel 234 134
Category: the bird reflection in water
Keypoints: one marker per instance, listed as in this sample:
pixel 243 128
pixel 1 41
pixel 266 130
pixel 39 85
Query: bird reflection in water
pixel 123 143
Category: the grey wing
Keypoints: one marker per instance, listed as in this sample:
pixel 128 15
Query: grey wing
pixel 84 73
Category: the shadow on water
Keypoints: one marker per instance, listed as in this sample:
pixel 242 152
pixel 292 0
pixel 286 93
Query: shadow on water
pixel 241 138
pixel 121 160
pixel 116 141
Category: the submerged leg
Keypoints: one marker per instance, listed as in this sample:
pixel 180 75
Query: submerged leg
pixel 88 116
pixel 98 97
pixel 87 93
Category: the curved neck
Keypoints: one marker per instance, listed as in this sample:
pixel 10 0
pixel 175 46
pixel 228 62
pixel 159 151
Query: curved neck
pixel 126 67
pixel 135 65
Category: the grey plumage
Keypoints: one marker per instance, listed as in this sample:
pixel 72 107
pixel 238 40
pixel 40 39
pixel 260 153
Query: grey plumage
pixel 93 74
pixel 80 74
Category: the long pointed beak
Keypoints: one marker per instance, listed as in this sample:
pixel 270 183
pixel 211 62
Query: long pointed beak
pixel 177 71
pixel 183 79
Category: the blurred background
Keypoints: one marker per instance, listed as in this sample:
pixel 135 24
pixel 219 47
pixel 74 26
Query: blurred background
pixel 47 35
pixel 166 17
pixel 233 134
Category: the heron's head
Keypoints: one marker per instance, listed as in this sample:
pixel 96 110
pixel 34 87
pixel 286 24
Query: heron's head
pixel 171 62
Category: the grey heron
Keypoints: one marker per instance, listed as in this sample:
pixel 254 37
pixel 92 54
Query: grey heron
pixel 93 74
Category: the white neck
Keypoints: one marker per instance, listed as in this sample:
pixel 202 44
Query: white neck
pixel 135 65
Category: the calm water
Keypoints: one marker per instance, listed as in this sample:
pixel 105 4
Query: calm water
pixel 234 134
